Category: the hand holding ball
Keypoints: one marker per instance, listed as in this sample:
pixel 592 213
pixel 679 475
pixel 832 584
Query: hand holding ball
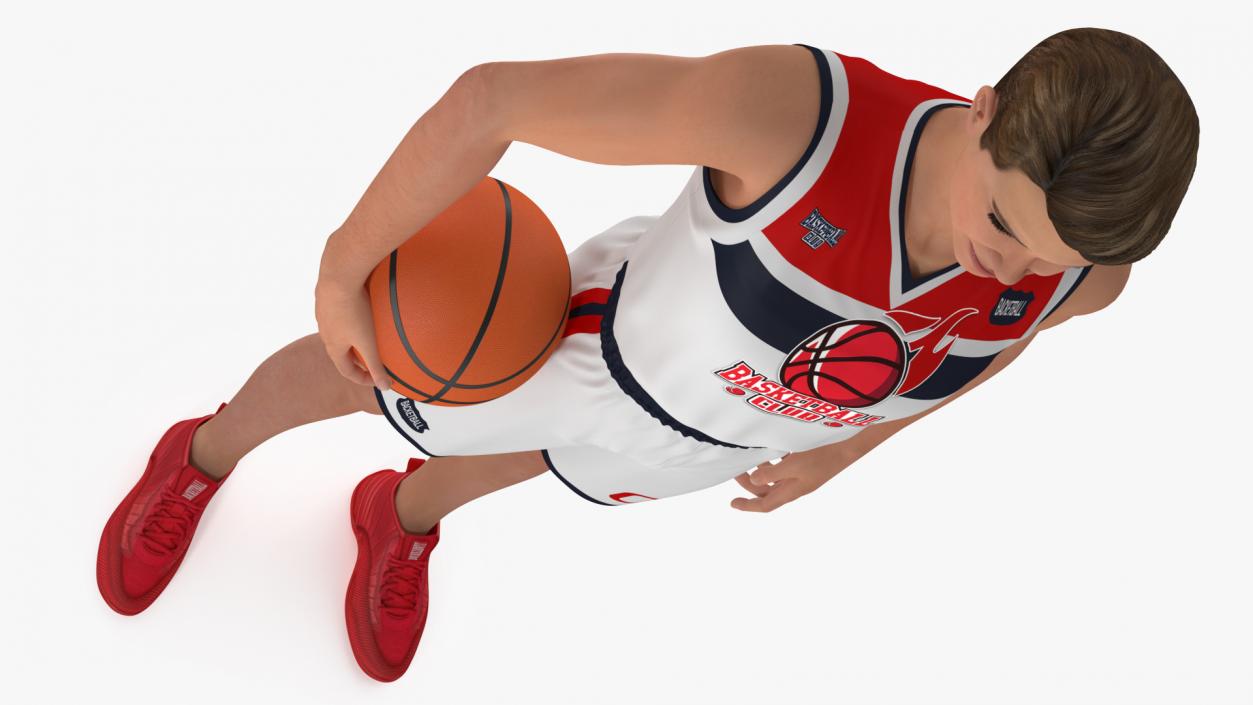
pixel 473 304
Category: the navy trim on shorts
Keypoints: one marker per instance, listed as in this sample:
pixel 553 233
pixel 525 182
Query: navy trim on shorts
pixel 378 396
pixel 549 462
pixel 632 388
pixel 589 309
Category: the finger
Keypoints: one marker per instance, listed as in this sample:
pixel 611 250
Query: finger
pixel 364 345
pixel 766 474
pixel 373 364
pixel 780 493
pixel 742 478
pixel 347 367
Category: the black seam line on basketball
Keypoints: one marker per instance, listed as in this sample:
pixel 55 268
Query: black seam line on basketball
pixel 829 377
pixel 627 382
pixel 451 382
pixel 846 358
pixel 491 304
pixel 848 338
pixel 417 391
pixel 561 325
pixel 394 300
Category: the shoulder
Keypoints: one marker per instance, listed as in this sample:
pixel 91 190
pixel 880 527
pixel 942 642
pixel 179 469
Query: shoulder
pixel 780 105
pixel 1102 285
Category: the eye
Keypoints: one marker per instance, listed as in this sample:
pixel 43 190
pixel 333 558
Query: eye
pixel 997 224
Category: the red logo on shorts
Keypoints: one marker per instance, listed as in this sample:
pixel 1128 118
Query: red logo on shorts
pixel 624 497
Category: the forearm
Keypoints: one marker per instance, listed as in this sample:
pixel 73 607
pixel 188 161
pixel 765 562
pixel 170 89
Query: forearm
pixel 446 152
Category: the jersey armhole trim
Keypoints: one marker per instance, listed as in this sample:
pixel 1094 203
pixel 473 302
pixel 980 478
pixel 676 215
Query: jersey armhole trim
pixel 738 215
pixel 1082 275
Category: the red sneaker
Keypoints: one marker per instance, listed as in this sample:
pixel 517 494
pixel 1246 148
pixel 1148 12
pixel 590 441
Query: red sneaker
pixel 147 536
pixel 385 607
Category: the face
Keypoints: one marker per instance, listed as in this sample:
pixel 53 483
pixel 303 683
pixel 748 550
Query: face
pixel 982 197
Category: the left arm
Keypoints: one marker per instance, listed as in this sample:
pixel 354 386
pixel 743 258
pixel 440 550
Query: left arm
pixel 803 472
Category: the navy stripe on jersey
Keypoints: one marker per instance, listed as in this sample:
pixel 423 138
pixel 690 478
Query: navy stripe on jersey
pixel 739 215
pixel 781 318
pixel 627 381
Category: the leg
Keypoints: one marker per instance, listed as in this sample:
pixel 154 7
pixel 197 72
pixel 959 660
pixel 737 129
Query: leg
pixel 442 484
pixel 294 386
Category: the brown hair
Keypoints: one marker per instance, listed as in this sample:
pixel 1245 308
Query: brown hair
pixel 1104 127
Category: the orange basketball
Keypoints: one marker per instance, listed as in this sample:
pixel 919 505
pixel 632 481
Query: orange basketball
pixel 473 304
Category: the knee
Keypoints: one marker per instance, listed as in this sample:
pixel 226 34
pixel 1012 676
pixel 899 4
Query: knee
pixel 534 463
pixel 362 397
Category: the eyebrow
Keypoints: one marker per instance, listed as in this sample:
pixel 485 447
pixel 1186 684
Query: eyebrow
pixel 1005 222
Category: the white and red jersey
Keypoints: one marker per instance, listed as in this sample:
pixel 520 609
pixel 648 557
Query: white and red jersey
pixel 704 321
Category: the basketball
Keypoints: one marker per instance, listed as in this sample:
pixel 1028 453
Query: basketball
pixel 854 363
pixel 474 303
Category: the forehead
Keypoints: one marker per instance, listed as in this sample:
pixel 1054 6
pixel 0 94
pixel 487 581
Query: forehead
pixel 1022 206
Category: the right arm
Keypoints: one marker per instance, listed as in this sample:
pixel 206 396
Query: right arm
pixel 728 111
pixel 446 153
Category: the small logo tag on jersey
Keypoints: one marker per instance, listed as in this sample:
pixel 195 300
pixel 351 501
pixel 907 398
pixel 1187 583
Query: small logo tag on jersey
pixel 415 551
pixel 1009 309
pixel 820 231
pixel 195 488
pixel 408 411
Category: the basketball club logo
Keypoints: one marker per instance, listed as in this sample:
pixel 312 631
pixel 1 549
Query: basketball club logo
pixel 847 366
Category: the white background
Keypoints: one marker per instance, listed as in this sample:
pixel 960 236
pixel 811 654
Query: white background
pixel 1077 531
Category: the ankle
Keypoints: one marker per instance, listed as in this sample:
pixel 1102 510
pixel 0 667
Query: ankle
pixel 414 515
pixel 202 455
pixel 415 523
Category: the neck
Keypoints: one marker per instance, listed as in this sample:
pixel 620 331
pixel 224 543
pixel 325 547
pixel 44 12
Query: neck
pixel 928 227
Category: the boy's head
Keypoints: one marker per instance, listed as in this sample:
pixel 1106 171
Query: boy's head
pixel 1091 140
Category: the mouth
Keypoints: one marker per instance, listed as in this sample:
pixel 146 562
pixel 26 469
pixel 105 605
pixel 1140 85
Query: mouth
pixel 978 266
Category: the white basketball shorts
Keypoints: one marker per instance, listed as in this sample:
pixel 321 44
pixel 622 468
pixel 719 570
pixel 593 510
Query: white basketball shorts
pixel 603 443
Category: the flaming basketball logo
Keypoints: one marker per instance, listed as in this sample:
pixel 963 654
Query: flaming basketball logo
pixel 848 365
pixel 859 363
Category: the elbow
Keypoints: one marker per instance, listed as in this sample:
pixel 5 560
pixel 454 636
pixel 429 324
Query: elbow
pixel 471 100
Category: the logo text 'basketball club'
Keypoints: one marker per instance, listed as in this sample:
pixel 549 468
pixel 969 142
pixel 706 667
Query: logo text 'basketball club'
pixel 820 231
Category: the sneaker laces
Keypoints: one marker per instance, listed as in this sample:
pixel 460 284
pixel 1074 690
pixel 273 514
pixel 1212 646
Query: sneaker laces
pixel 400 586
pixel 167 525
